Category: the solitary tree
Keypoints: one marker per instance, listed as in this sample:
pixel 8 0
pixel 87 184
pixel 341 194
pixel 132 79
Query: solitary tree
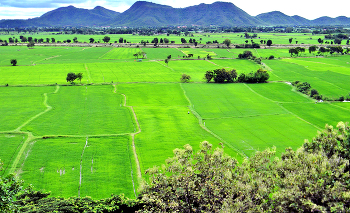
pixel 71 77
pixel 185 78
pixel 92 40
pixel 121 40
pixel 13 62
pixel 269 43
pixel 30 44
pixel 106 39
pixel 227 42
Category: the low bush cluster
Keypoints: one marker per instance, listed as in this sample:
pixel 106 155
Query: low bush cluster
pixel 230 76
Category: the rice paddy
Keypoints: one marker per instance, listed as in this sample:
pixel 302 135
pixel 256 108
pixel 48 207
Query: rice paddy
pixel 97 137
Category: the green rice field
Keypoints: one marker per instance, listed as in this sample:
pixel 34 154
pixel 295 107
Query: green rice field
pixel 98 136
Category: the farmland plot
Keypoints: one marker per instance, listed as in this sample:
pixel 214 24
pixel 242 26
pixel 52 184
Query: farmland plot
pixel 162 111
pixel 10 144
pixel 67 167
pixel 93 110
pixel 246 119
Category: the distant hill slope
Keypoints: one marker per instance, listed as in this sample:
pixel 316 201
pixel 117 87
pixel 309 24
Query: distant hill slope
pixel 278 18
pixel 67 16
pixel 144 13
pixel 147 14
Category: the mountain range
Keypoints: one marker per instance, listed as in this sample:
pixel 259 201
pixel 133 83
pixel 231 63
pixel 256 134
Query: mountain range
pixel 147 14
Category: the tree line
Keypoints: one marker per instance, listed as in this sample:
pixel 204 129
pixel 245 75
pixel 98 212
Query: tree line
pixel 230 76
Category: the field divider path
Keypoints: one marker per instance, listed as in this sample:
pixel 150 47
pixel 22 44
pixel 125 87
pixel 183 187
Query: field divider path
pixel 165 66
pixel 279 104
pixel 81 166
pixel 88 73
pixel 200 122
pixel 137 131
pixel 30 135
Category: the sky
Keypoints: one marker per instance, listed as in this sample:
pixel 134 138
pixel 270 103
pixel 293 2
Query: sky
pixel 310 9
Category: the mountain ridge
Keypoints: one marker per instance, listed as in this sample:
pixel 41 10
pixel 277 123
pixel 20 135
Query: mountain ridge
pixel 148 14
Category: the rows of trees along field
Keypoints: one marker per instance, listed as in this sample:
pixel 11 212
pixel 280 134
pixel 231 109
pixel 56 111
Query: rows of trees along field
pixel 313 178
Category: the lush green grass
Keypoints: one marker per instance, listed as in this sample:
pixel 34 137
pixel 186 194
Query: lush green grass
pixel 249 117
pixel 10 145
pixel 121 53
pixel 321 113
pixel 162 111
pixel 245 117
pixel 328 83
pixel 131 72
pixel 19 104
pixel 54 165
pixel 214 101
pixel 240 65
pixel 83 110
pixel 162 53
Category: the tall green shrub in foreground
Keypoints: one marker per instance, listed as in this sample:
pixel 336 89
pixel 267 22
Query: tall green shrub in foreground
pixel 309 179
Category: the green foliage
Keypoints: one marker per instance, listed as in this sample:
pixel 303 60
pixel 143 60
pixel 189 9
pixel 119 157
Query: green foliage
pixel 260 76
pixel 227 42
pixel 38 201
pixel 221 75
pixel 190 181
pixel 106 39
pixel 13 62
pixel 9 188
pixel 312 178
pixel 71 77
pixel 246 55
pixel 185 78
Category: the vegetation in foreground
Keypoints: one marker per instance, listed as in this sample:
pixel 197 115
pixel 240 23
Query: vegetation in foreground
pixel 314 178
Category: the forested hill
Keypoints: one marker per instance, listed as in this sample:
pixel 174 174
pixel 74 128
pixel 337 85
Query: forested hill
pixel 147 14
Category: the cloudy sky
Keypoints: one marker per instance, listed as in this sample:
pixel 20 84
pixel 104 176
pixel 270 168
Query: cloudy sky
pixel 310 9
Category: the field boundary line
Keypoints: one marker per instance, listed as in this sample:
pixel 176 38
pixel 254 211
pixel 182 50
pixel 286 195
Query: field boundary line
pixel 106 53
pixel 200 122
pixel 279 104
pixel 48 108
pixel 137 131
pixel 88 73
pixel 30 135
pixel 81 165
pixel 165 66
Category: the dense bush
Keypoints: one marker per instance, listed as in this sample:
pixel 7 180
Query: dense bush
pixel 221 75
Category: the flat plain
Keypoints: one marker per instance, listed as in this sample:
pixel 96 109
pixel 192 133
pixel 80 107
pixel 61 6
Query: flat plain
pixel 97 137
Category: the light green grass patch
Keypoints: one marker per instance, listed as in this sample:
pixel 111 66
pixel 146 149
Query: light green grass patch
pixel 214 101
pixel 10 145
pixel 195 68
pixel 106 168
pixel 83 110
pixel 280 92
pixel 162 53
pixel 121 53
pixel 319 114
pixel 240 65
pixel 132 72
pixel 54 165
pixel 250 134
pixel 19 104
